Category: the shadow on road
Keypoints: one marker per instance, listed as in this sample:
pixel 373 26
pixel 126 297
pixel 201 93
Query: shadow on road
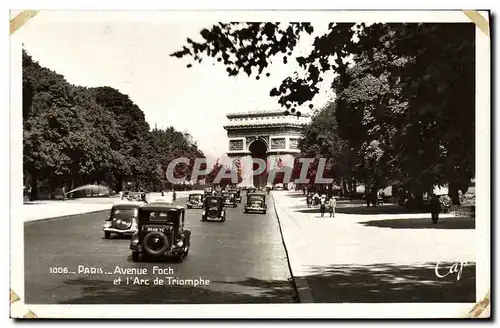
pixel 424 223
pixel 94 291
pixel 388 283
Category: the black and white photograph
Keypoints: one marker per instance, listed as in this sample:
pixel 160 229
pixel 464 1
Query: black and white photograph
pixel 250 164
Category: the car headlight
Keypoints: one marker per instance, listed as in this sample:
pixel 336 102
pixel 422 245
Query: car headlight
pixel 106 224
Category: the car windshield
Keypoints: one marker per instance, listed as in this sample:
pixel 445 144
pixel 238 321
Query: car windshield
pixel 167 217
pixel 195 197
pixel 255 198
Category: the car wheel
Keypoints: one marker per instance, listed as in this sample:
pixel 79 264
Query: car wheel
pixel 107 234
pixel 135 256
pixel 155 243
pixel 180 257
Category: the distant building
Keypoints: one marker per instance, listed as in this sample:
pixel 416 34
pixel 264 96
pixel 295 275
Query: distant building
pixel 269 135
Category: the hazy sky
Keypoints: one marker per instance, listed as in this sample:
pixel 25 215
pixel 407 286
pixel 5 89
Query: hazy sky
pixel 99 49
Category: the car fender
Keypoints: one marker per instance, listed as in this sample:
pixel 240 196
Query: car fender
pixel 187 237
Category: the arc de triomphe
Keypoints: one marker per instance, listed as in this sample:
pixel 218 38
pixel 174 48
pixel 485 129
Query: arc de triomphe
pixel 270 135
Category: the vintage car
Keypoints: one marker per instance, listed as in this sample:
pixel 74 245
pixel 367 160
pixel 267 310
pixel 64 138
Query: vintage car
pixel 161 232
pixel 122 219
pixel 237 194
pixel 134 196
pixel 195 200
pixel 229 199
pixel 279 187
pixel 256 202
pixel 213 208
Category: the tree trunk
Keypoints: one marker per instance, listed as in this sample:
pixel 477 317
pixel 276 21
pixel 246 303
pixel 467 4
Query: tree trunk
pixel 419 200
pixel 329 191
pixel 373 196
pixel 119 183
pixel 352 188
pixel 345 190
pixel 34 185
pixel 453 193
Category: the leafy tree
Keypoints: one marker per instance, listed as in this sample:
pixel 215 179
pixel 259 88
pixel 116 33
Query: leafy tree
pixel 405 92
pixel 75 135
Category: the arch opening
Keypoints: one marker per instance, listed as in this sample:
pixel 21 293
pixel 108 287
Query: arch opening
pixel 258 149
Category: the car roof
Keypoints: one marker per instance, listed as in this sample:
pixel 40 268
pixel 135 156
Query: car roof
pixel 161 207
pixel 257 194
pixel 127 205
pixel 196 193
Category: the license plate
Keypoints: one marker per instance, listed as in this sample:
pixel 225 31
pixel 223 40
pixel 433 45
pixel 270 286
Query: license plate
pixel 155 229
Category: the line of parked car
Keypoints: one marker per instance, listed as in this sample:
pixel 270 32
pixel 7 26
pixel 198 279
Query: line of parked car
pixel 157 228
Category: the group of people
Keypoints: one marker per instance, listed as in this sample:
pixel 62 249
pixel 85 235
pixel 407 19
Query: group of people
pixel 323 202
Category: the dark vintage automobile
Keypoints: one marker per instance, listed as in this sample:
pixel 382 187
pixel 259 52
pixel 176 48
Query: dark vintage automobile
pixel 122 219
pixel 213 208
pixel 195 200
pixel 161 232
pixel 229 199
pixel 256 202
pixel 237 194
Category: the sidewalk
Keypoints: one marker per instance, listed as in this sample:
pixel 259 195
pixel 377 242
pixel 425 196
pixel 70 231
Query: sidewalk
pixel 45 209
pixel 375 257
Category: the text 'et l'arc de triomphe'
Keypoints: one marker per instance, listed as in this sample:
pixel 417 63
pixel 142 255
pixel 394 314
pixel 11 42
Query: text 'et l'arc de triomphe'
pixel 270 135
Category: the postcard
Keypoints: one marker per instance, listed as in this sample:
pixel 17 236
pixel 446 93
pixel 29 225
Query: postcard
pixel 250 164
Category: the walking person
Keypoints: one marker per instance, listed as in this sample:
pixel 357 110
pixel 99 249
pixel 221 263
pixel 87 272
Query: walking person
pixel 331 206
pixel 435 208
pixel 316 198
pixel 308 200
pixel 322 205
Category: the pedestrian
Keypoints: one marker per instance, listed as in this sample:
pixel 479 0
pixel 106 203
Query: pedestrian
pixel 322 205
pixel 331 206
pixel 435 208
pixel 308 200
pixel 316 198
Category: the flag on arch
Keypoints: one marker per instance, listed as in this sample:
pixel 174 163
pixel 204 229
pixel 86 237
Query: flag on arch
pixel 237 164
pixel 280 163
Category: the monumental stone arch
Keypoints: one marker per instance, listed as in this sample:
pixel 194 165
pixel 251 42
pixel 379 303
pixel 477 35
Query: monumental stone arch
pixel 270 135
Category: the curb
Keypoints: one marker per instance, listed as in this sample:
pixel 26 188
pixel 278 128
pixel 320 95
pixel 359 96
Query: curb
pixel 68 216
pixel 302 287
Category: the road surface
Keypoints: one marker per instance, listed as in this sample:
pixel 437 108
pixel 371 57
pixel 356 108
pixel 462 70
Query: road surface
pixel 239 261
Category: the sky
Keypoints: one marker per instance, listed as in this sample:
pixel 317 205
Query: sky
pixel 131 54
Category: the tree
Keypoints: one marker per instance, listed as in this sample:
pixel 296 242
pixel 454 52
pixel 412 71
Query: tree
pixel 321 139
pixel 130 147
pixel 74 135
pixel 398 88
